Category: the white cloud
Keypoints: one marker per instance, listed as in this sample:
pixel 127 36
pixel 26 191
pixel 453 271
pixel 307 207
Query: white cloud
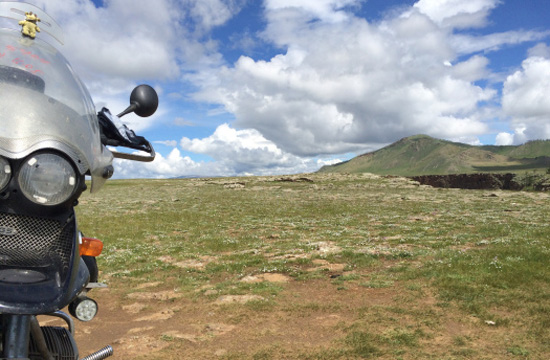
pixel 457 13
pixel 473 69
pixel 208 14
pixel 114 46
pixel 342 86
pixel 124 43
pixel 540 50
pixel 169 143
pixel 173 165
pixel 504 138
pixel 468 44
pixel 179 121
pixel 235 152
pixel 525 99
pixel 326 10
pixel 119 40
pixel 246 151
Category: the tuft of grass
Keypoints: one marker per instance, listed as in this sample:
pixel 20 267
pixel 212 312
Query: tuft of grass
pixel 362 344
pixel 517 351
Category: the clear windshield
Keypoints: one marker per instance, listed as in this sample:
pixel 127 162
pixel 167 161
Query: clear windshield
pixel 44 104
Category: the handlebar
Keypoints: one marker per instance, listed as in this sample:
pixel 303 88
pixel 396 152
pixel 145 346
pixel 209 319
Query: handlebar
pixel 135 157
pixel 115 133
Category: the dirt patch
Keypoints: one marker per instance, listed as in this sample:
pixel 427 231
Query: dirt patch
pixel 162 315
pixel 160 295
pixel 321 264
pixel 308 316
pixel 134 308
pixel 269 277
pixel 197 264
pixel 135 345
pixel 238 299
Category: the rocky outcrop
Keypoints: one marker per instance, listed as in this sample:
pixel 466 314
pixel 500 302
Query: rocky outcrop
pixel 471 181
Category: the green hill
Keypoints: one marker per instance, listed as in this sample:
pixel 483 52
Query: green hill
pixel 424 155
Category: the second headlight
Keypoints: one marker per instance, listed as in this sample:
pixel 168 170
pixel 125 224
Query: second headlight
pixel 47 179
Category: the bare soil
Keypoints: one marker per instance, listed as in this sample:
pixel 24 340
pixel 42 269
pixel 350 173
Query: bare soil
pixel 307 318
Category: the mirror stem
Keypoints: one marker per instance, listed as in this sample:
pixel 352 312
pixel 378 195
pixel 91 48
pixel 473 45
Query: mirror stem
pixel 128 110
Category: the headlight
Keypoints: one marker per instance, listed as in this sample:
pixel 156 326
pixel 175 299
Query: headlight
pixel 5 173
pixel 47 179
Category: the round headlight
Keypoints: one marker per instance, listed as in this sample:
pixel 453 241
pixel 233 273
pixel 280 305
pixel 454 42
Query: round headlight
pixel 5 173
pixel 47 179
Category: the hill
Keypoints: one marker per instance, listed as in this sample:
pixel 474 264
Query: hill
pixel 424 155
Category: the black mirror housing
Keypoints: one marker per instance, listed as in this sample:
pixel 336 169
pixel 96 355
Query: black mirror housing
pixel 144 101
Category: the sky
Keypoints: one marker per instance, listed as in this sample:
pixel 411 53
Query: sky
pixel 268 87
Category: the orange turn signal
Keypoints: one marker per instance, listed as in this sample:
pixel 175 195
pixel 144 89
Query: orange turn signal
pixel 91 247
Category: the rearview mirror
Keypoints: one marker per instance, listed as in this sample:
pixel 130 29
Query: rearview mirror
pixel 144 101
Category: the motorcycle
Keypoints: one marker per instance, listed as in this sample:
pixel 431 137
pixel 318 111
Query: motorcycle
pixel 51 140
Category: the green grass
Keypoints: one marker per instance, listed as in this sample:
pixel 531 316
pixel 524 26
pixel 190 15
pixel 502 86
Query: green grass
pixel 388 265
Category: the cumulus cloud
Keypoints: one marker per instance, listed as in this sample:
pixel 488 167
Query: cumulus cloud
pixel 208 14
pixel 504 138
pixel 540 50
pixel 467 44
pixel 345 85
pixel 118 40
pixel 457 13
pixel 234 153
pixel 325 10
pixel 525 99
pixel 246 151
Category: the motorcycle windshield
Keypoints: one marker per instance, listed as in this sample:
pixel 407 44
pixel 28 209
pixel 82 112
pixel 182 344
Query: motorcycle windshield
pixel 43 104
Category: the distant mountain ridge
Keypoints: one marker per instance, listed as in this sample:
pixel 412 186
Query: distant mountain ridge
pixel 424 155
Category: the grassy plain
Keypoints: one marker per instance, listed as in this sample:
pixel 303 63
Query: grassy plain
pixel 318 266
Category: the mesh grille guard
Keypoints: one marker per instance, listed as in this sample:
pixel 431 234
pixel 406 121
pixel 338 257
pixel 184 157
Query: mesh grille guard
pixel 35 243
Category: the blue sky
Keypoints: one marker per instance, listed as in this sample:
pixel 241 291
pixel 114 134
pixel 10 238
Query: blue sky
pixel 257 87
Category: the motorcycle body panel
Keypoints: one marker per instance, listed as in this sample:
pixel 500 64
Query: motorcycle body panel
pixel 43 104
pixel 51 137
